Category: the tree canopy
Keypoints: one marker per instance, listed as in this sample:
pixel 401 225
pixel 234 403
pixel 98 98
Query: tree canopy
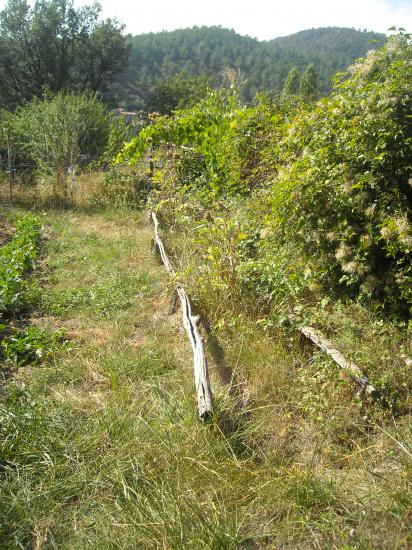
pixel 291 86
pixel 308 84
pixel 53 46
pixel 176 92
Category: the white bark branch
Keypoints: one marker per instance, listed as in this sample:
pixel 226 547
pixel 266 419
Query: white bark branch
pixel 191 325
pixel 326 346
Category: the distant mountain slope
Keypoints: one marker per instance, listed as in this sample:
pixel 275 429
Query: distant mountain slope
pixel 208 50
pixel 331 49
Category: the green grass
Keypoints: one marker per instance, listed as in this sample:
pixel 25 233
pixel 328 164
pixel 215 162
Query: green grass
pixel 101 446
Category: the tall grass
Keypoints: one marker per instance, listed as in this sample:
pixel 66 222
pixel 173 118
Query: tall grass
pixel 102 448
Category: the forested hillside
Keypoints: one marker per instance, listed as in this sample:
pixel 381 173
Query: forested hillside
pixel 209 50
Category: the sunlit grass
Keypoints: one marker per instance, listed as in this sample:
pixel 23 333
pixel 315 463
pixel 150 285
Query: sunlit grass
pixel 101 448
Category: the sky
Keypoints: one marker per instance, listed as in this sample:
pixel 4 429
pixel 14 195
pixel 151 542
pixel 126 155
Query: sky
pixel 262 19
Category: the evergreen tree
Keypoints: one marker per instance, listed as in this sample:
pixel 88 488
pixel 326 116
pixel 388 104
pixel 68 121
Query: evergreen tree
pixel 308 84
pixel 157 57
pixel 291 86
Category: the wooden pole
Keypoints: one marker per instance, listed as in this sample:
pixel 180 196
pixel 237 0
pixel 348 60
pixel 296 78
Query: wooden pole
pixel 151 161
pixel 9 165
pixel 191 325
pixel 321 342
pixel 72 171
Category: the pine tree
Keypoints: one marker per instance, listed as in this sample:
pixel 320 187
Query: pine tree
pixel 308 84
pixel 291 86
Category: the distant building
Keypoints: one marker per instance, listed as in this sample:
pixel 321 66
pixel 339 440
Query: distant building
pixel 130 116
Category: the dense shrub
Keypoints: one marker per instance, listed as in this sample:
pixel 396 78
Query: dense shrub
pixel 202 128
pixel 344 193
pixel 124 187
pixel 58 132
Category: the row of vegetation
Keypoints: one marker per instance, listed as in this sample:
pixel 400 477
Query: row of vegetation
pixel 296 206
pixel 16 259
pixel 21 343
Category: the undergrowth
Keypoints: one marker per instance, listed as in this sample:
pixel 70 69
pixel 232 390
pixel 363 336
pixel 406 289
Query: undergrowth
pixel 299 213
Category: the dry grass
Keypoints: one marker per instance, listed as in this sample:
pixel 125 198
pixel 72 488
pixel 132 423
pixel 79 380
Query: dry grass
pixel 305 414
pixel 101 447
pixel 40 193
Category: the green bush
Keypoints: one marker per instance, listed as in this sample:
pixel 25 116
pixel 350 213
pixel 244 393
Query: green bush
pixel 124 187
pixel 344 193
pixel 63 131
pixel 16 259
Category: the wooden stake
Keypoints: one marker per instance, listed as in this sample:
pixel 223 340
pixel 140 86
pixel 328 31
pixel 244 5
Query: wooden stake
pixel 321 342
pixel 72 174
pixel 151 161
pixel 191 325
pixel 10 171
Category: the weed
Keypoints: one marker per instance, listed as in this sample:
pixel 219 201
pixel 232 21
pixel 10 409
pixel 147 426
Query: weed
pixel 101 300
pixel 30 345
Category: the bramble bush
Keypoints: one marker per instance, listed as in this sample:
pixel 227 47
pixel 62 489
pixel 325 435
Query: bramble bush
pixel 344 194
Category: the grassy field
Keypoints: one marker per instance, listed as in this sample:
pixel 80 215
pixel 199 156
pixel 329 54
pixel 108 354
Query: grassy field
pixel 101 446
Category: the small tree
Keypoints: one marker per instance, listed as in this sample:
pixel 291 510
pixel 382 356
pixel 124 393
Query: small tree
pixel 291 86
pixel 56 132
pixel 308 84
pixel 175 93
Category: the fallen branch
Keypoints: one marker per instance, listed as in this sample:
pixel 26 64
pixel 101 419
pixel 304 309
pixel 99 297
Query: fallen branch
pixel 326 346
pixel 407 360
pixel 191 325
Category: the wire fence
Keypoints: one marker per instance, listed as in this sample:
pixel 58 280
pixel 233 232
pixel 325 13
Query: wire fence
pixel 25 172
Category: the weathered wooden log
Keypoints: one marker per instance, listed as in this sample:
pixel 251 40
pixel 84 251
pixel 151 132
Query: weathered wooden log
pixel 173 302
pixel 191 325
pixel 325 345
pixel 407 360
